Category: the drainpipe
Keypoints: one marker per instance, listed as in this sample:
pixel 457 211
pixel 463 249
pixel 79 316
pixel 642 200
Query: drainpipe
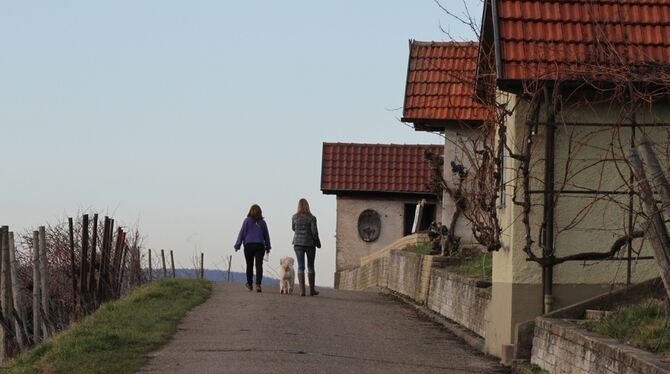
pixel 548 250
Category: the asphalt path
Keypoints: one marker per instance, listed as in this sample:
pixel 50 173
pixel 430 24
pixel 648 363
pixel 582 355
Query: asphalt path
pixel 237 331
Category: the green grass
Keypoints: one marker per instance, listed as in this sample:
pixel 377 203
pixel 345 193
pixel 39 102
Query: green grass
pixel 421 248
pixel 478 267
pixel 116 338
pixel 645 325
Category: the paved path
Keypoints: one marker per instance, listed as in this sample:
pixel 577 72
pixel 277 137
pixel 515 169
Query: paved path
pixel 237 331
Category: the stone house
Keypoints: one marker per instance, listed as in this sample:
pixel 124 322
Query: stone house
pixel 578 83
pixel 377 187
pixel 440 97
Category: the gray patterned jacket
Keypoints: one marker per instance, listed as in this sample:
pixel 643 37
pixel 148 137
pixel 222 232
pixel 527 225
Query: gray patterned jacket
pixel 306 232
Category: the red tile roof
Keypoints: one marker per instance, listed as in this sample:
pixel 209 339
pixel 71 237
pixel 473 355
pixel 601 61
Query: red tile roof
pixel 440 83
pixel 382 168
pixel 551 39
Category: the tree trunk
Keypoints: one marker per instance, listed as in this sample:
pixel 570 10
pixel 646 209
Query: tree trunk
pixel 658 178
pixel 658 233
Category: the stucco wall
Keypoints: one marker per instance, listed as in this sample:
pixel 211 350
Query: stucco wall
pixel 455 148
pixel 581 224
pixel 349 246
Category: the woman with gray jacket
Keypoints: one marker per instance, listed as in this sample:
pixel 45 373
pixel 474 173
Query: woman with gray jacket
pixel 305 242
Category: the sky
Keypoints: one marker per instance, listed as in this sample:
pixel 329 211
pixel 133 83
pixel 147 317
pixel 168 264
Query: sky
pixel 178 115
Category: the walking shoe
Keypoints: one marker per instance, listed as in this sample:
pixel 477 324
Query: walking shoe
pixel 258 288
pixel 249 287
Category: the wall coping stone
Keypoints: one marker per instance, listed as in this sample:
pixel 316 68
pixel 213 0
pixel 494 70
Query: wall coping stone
pixel 397 245
pixel 609 300
pixel 638 359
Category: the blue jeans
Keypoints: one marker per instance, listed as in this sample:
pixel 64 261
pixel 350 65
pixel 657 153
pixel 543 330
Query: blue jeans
pixel 300 253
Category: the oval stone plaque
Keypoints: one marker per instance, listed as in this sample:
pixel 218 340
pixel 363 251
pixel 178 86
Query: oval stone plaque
pixel 369 225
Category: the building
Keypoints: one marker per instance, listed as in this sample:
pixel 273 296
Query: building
pixel 571 86
pixel 440 97
pixel 378 187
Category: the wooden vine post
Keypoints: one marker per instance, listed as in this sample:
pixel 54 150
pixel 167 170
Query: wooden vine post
pixel 163 261
pixel 44 278
pixel 92 289
pixel 19 324
pixel 202 265
pixel 174 274
pixel 37 282
pixel 151 271
pixel 73 274
pixel 83 275
pixel 7 347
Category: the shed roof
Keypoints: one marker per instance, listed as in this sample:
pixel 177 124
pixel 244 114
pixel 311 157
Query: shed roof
pixel 440 83
pixel 376 168
pixel 564 39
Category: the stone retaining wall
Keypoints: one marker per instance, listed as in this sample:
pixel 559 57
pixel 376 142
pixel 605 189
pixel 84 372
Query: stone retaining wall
pixel 422 279
pixel 561 346
pixel 459 299
pixel 371 275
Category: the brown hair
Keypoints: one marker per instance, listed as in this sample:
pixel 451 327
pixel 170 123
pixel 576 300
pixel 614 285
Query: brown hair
pixel 303 207
pixel 255 212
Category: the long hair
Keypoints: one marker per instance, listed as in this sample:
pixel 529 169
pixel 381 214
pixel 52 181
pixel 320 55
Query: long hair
pixel 255 212
pixel 303 207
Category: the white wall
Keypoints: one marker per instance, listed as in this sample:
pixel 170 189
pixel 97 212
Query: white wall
pixel 350 247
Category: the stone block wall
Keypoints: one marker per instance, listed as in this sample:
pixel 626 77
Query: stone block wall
pixel 404 276
pixel 561 347
pixel 371 275
pixel 372 269
pixel 421 279
pixel 459 299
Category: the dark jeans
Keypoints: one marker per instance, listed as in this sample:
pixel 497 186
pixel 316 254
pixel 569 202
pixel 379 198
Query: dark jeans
pixel 300 253
pixel 254 251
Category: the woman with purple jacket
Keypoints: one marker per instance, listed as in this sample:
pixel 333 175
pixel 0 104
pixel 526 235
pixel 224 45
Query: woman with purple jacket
pixel 256 239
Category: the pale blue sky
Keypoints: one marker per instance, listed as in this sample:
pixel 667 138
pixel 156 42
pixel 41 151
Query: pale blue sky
pixel 180 114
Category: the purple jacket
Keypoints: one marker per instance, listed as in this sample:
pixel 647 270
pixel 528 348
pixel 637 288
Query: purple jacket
pixel 253 232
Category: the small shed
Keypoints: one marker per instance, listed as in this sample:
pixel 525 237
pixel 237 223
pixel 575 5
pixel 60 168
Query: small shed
pixel 378 187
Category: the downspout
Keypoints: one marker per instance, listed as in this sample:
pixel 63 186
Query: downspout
pixel 549 195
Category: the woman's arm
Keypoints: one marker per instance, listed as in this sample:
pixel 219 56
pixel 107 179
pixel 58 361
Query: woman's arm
pixel 266 236
pixel 241 235
pixel 315 233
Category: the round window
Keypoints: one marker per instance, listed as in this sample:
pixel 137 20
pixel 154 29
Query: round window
pixel 369 225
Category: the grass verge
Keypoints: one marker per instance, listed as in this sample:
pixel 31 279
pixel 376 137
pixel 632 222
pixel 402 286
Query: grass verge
pixel 116 337
pixel 645 325
pixel 476 267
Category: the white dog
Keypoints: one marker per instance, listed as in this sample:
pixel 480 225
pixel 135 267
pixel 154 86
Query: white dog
pixel 286 275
